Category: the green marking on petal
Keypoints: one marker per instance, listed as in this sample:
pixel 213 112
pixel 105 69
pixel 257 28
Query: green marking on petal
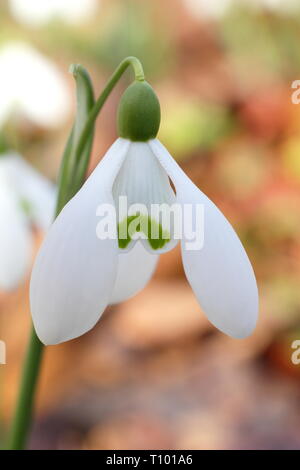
pixel 123 231
pixel 26 207
pixel 157 237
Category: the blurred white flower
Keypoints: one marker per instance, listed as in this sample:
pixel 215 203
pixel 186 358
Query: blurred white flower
pixel 39 12
pixel 215 9
pixel 211 9
pixel 32 85
pixel 26 198
pixel 280 6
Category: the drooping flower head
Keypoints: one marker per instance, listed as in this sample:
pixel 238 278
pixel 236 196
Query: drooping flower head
pixel 137 204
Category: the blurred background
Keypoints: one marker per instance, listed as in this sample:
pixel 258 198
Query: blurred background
pixel 154 374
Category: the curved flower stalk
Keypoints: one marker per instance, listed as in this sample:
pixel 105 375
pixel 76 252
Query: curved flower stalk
pixel 41 95
pixel 81 268
pixel 38 13
pixel 26 198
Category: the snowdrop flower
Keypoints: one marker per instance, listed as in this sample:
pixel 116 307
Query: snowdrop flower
pixel 78 273
pixel 30 84
pixel 36 13
pixel 25 197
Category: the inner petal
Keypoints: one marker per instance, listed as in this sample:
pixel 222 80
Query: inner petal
pixel 142 195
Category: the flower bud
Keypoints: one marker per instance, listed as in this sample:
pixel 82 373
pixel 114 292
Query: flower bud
pixel 139 113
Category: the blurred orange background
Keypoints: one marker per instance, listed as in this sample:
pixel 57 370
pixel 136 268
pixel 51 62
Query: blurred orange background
pixel 153 373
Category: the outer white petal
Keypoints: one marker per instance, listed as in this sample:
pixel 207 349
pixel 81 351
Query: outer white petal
pixel 135 269
pixel 74 272
pixel 220 273
pixel 15 241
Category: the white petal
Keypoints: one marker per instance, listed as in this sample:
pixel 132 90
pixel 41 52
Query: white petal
pixel 220 273
pixel 15 241
pixel 135 269
pixel 74 272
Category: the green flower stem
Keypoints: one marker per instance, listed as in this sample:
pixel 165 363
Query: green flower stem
pixel 24 408
pixel 23 412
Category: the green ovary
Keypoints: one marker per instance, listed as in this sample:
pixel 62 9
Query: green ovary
pixel 157 237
